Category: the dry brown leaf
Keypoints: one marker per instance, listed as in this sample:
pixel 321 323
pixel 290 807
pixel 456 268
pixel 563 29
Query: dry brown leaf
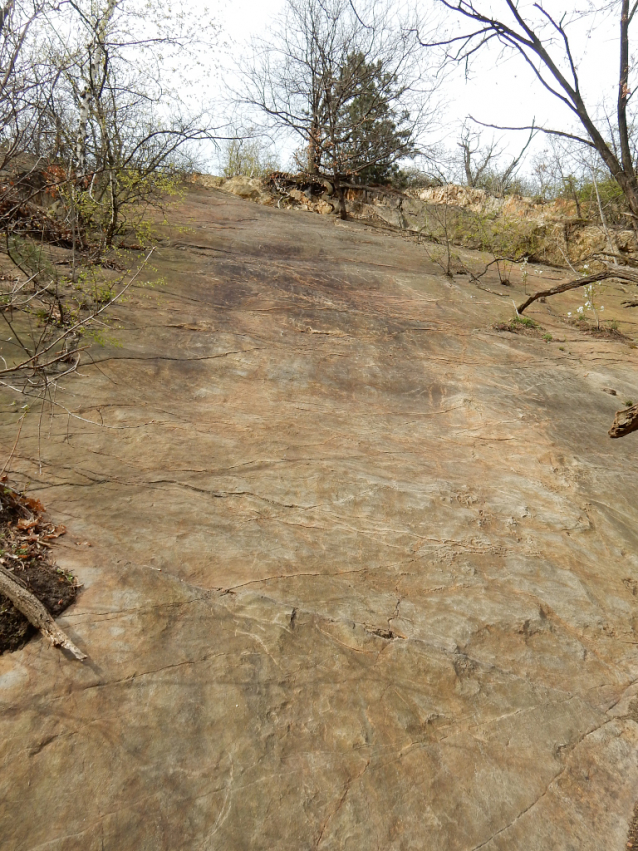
pixel 34 504
pixel 57 532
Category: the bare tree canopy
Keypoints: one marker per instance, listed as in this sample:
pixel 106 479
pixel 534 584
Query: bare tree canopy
pixel 347 80
pixel 111 118
pixel 24 79
pixel 482 164
pixel 544 41
pixel 91 132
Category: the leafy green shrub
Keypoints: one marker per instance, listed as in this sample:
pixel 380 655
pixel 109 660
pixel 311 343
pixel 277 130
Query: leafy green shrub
pixel 519 324
pixel 524 320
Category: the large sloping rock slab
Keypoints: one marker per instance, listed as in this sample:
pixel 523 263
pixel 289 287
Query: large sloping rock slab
pixel 359 571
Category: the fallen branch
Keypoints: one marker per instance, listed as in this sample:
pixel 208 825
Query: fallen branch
pixel 33 610
pixel 625 422
pixel 572 285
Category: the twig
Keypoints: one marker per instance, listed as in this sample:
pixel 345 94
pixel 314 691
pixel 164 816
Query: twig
pixel 602 214
pixel 566 259
pixel 8 461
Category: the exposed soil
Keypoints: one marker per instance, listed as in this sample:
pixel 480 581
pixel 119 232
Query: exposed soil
pixel 25 551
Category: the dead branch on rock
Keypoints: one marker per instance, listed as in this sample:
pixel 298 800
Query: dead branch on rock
pixel 35 613
pixel 22 217
pixel 625 422
pixel 616 272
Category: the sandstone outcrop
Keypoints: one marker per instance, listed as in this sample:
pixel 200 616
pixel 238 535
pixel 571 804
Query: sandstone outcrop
pixel 511 226
pixel 359 570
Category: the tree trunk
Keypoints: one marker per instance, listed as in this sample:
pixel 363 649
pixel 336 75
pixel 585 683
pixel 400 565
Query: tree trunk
pixel 314 153
pixel 629 188
pixel 574 191
pixel 312 158
pixel 467 164
pixel 341 195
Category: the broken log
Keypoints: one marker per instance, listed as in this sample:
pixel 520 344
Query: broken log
pixel 33 610
pixel 625 422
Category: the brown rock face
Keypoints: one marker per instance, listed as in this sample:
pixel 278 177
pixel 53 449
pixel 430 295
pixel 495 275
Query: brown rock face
pixel 359 571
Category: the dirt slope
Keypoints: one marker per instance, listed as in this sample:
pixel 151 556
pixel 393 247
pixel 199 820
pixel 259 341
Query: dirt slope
pixel 360 571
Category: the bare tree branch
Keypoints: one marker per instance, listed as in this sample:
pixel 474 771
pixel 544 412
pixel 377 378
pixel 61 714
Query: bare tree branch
pixel 533 40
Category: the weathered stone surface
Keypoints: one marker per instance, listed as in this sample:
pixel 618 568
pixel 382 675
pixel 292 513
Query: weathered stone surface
pixel 551 233
pixel 360 572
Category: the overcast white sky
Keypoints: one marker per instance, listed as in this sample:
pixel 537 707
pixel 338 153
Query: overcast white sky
pixel 503 93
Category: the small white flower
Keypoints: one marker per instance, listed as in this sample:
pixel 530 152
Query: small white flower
pixel 602 308
pixel 569 313
pixel 581 309
pixel 586 266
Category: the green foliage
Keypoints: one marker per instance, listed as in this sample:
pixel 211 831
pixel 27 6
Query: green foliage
pixel 518 324
pixel 374 134
pixel 526 321
pixel 494 184
pixel 30 257
pixel 63 302
pixel 587 189
pixel 119 201
pixel 415 178
pixel 101 339
pixel 509 240
pixel 502 236
pixel 591 304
